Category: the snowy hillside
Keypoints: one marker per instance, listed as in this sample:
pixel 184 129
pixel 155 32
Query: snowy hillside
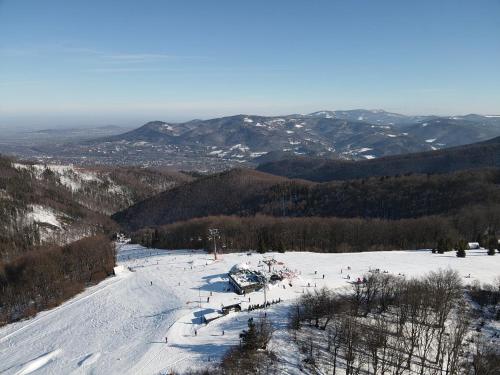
pixel 120 325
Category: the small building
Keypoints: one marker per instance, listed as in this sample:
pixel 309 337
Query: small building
pixel 229 308
pixel 244 279
pixel 207 318
pixel 474 245
pixel 275 277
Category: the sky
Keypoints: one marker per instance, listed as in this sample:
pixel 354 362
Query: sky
pixel 98 62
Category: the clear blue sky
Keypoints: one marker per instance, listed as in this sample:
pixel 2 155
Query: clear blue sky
pixel 67 62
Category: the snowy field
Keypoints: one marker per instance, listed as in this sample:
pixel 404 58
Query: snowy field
pixel 120 325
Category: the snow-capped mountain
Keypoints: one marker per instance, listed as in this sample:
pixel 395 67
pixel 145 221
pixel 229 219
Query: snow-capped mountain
pixel 229 141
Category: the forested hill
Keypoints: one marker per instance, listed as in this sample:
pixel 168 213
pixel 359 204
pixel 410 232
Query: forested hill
pixel 473 156
pixel 55 204
pixel 246 192
pixel 238 191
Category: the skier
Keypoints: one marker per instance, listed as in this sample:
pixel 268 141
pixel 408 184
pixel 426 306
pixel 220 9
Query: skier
pixel 166 339
pixel 323 276
pixel 151 282
pixel 195 332
pixel 222 332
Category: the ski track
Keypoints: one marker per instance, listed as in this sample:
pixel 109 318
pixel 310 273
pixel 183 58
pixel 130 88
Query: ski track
pixel 119 326
pixel 58 309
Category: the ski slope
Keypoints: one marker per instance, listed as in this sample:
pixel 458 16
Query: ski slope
pixel 120 325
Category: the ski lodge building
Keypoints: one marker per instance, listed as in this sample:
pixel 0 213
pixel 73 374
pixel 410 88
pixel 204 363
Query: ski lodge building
pixel 245 280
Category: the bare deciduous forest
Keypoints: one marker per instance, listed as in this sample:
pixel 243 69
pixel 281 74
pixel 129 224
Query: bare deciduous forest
pixel 47 276
pixel 384 324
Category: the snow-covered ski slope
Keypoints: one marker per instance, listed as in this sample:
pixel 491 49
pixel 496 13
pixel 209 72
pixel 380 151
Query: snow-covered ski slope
pixel 120 325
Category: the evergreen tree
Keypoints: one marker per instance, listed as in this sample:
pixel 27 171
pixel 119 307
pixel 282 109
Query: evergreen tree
pixel 249 337
pixel 461 253
pixel 492 245
pixel 461 246
pixel 444 245
pixel 261 246
pixel 281 246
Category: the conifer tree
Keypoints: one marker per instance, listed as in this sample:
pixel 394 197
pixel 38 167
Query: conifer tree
pixel 461 246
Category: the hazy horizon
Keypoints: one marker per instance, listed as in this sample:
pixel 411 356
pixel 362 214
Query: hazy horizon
pixel 136 121
pixel 66 64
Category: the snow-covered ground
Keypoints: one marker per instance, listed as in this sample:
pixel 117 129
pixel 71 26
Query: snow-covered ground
pixel 120 325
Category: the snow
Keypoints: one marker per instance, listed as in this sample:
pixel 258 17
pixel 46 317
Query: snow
pixel 391 135
pixel 39 362
pixel 364 149
pixel 41 214
pixel 216 152
pixel 246 119
pixel 240 147
pixel 290 132
pixel 119 326
pixel 431 140
pixel 241 267
pixel 69 176
pixel 257 154
pixel 369 157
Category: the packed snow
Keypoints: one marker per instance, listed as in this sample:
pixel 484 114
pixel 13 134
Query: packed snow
pixel 121 325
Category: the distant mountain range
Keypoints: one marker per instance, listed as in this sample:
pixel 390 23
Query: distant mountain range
pixel 394 187
pixel 222 143
pixel 484 154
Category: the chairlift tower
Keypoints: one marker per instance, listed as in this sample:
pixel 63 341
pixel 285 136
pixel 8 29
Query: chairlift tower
pixel 214 234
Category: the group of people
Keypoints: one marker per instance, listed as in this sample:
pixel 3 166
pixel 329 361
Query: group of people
pixel 267 304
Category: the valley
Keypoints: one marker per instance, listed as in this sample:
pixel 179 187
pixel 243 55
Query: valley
pixel 247 140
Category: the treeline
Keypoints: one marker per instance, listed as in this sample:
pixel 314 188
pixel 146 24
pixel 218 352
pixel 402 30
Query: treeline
pixel 247 193
pixel 409 196
pixel 384 324
pixel 389 324
pixel 473 156
pixel 45 277
pixel 266 233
